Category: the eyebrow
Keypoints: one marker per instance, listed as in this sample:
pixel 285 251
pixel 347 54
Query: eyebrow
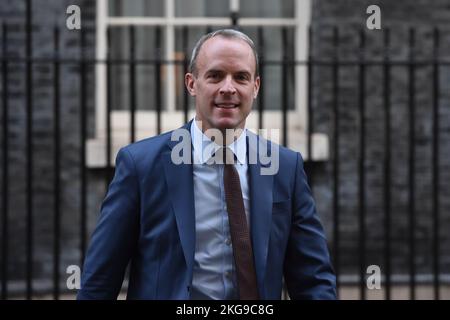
pixel 213 71
pixel 245 72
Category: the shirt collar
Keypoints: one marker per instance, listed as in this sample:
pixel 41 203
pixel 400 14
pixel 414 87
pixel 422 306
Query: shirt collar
pixel 200 142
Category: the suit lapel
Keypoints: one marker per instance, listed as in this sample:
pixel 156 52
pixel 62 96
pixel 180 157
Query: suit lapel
pixel 261 213
pixel 180 186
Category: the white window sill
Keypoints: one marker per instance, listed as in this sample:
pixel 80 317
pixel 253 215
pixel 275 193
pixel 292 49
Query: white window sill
pixel 146 127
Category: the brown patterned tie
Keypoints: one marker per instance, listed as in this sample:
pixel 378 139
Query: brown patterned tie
pixel 240 235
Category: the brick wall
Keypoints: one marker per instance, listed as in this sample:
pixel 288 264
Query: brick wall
pixel 46 15
pixel 350 16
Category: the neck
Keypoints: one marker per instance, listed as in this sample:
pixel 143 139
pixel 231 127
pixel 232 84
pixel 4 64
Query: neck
pixel 227 136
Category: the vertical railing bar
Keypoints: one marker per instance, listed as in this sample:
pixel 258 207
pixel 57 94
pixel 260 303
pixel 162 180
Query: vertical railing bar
pixel 284 102
pixel 132 88
pixel 56 165
pixel 108 108
pixel 5 188
pixel 411 152
pixel 335 71
pixel 261 101
pixel 387 166
pixel 435 172
pixel 185 36
pixel 83 119
pixel 158 79
pixel 284 89
pixel 310 106
pixel 361 171
pixel 29 153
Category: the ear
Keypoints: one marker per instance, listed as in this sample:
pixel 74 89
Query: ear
pixel 189 81
pixel 256 87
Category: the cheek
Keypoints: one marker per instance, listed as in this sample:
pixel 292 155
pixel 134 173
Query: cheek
pixel 250 96
pixel 204 92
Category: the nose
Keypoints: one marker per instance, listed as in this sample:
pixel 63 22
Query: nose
pixel 227 86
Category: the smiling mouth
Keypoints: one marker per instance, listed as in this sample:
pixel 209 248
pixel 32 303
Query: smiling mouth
pixel 226 105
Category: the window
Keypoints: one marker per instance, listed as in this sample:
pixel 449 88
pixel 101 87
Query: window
pixel 136 8
pixel 202 8
pixel 172 17
pixel 267 9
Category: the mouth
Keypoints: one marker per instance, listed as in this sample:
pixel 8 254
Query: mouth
pixel 226 105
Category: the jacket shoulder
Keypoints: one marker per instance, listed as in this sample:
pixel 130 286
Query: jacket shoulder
pixel 286 154
pixel 146 153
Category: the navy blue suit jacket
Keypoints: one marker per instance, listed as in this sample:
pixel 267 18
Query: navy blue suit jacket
pixel 148 218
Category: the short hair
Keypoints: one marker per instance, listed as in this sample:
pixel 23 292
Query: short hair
pixel 226 33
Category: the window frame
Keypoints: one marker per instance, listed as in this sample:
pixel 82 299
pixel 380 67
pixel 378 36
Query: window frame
pixel 170 117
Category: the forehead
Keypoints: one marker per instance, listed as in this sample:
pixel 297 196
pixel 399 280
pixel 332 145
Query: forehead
pixel 219 52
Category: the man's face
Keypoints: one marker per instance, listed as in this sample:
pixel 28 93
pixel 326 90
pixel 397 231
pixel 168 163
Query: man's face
pixel 224 86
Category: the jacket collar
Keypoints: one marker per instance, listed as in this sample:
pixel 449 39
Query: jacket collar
pixel 179 179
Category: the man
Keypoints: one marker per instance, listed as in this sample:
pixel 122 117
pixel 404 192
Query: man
pixel 210 230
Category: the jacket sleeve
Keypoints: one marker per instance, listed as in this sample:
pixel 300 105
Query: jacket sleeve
pixel 114 238
pixel 307 269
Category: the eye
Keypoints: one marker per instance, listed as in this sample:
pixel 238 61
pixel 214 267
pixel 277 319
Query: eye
pixel 242 77
pixel 213 75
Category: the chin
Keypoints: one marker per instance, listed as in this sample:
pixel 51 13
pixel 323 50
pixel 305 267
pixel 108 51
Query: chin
pixel 226 124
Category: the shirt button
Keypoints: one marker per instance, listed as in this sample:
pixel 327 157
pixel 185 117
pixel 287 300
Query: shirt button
pixel 228 241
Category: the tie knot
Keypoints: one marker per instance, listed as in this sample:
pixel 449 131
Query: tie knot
pixel 228 156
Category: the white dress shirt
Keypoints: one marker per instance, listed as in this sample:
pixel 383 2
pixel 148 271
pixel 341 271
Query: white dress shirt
pixel 214 269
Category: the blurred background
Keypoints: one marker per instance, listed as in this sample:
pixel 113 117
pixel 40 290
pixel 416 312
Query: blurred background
pixel 368 109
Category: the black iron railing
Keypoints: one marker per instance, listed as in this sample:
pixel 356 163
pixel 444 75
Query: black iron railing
pixel 335 64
